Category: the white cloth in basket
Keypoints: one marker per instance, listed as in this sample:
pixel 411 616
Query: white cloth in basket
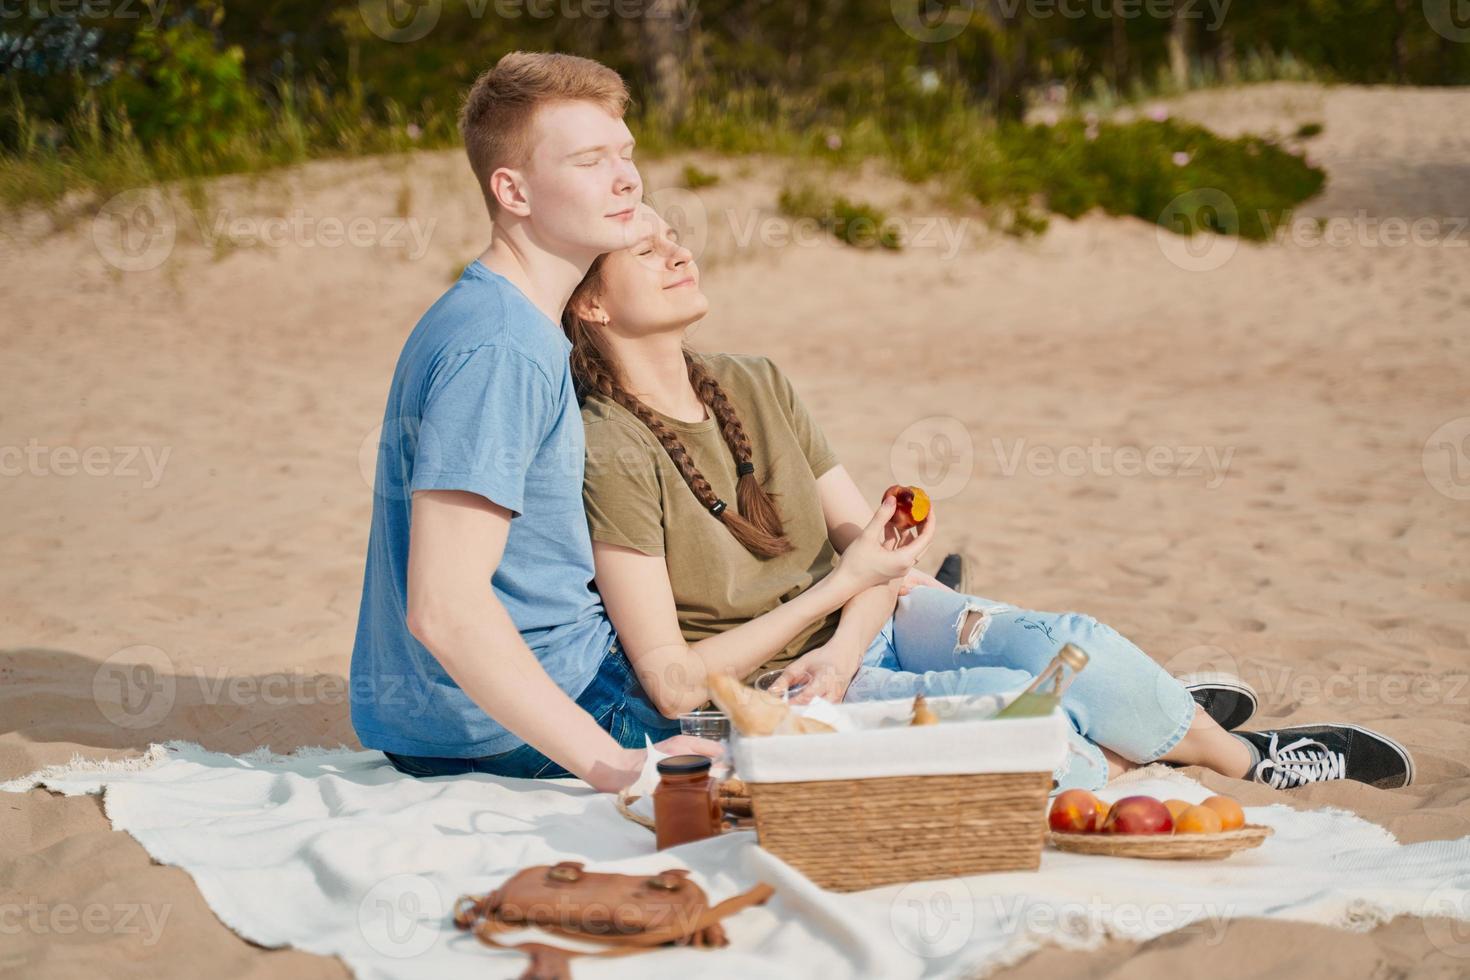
pixel 874 739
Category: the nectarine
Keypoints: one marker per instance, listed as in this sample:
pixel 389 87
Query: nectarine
pixel 1138 815
pixel 1177 807
pixel 913 506
pixel 1232 817
pixel 1198 820
pixel 1074 811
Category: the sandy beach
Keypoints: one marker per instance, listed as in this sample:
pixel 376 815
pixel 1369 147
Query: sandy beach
pixel 1245 457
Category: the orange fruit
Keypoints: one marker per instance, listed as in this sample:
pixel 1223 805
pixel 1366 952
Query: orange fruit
pixel 1197 820
pixel 1232 817
pixel 1177 807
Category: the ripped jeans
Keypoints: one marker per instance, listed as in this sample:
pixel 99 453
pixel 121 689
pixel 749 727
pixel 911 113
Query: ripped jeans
pixel 1123 700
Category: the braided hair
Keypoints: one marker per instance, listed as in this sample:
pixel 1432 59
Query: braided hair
pixel 755 522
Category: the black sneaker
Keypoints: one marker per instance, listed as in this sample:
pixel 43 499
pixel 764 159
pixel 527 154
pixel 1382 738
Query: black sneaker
pixel 1303 754
pixel 1224 697
pixel 952 572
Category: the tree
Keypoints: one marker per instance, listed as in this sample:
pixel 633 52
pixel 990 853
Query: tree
pixel 1178 44
pixel 667 46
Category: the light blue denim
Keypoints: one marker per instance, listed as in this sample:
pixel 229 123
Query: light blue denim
pixel 1123 700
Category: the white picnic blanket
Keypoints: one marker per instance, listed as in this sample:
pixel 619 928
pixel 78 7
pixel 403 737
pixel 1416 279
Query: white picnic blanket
pixel 335 852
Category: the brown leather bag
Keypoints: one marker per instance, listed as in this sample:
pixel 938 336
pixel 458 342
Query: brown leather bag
pixel 626 913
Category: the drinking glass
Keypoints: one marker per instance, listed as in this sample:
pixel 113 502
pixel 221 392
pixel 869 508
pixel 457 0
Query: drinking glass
pixel 764 682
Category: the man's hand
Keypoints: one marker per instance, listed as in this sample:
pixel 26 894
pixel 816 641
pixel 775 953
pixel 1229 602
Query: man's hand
pixel 826 671
pixel 622 772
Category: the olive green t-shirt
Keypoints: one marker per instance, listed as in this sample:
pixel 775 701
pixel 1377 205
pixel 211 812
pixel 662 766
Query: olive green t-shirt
pixel 635 497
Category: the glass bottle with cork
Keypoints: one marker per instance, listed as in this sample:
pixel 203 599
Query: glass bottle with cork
pixel 1042 695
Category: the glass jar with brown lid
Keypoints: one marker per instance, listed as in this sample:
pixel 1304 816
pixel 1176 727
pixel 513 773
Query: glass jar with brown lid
pixel 686 804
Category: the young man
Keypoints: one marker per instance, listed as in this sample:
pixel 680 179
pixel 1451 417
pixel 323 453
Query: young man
pixel 480 645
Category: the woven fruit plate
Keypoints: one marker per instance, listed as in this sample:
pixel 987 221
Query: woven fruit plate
pixel 1164 847
pixel 735 804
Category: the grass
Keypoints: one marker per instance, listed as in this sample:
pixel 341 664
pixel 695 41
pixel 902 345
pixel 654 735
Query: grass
pixel 857 224
pixel 1256 67
pixel 1022 172
pixel 103 155
pixel 694 178
pixel 1143 169
pixel 1018 172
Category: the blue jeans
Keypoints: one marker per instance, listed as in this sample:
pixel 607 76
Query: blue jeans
pixel 1123 700
pixel 614 698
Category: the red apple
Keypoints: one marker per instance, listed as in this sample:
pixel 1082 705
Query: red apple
pixel 1138 815
pixel 1074 811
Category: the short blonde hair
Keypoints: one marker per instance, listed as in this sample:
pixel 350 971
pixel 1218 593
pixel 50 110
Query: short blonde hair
pixel 495 119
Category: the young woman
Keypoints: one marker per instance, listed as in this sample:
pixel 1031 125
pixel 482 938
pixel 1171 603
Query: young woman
pixel 714 501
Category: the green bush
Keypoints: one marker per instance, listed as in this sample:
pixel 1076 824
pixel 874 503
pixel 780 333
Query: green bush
pixel 1139 168
pixel 695 178
pixel 857 224
pixel 184 92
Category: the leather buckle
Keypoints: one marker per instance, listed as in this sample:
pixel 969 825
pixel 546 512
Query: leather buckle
pixel 564 872
pixel 466 910
pixel 665 883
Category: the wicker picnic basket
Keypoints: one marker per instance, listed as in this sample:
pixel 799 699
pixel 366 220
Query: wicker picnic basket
pixel 852 831
pixel 851 834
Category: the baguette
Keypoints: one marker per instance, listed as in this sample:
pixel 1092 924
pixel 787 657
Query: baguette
pixel 755 712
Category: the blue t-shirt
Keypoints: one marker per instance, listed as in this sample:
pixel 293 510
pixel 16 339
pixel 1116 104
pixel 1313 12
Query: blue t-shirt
pixel 481 400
